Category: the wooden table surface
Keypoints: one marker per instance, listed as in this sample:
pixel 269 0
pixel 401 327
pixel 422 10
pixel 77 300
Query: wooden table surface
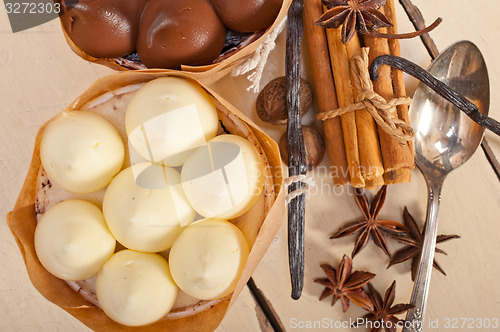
pixel 40 76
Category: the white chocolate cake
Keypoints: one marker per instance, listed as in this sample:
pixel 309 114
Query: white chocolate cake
pixel 112 106
pixel 81 151
pixel 136 288
pixel 224 178
pixel 168 118
pixel 207 258
pixel 72 240
pixel 147 215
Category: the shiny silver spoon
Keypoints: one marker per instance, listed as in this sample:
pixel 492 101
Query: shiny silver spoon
pixel 446 136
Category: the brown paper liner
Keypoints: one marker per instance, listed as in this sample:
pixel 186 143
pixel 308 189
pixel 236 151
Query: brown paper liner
pixel 22 221
pixel 208 73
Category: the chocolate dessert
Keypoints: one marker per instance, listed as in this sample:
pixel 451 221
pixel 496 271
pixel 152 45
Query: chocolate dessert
pixel 247 15
pixel 103 28
pixel 175 33
pixel 164 34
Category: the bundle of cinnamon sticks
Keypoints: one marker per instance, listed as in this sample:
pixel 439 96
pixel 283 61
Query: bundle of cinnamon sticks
pixel 359 151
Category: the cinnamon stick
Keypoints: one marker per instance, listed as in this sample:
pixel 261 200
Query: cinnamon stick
pixel 368 143
pixel 345 97
pixel 378 181
pixel 394 155
pixel 403 175
pixel 324 89
pixel 397 75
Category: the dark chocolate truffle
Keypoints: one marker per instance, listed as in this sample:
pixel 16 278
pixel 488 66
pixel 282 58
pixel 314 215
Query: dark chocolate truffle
pixel 247 15
pixel 179 32
pixel 103 28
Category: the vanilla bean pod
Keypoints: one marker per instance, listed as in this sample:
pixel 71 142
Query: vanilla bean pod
pixel 437 86
pixel 296 151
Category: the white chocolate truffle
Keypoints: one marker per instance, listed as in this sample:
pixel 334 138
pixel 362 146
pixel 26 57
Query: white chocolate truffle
pixel 81 151
pixel 207 258
pixel 145 208
pixel 135 288
pixel 72 241
pixel 224 178
pixel 169 116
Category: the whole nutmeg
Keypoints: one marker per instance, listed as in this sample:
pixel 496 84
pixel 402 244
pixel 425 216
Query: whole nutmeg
pixel 271 102
pixel 313 143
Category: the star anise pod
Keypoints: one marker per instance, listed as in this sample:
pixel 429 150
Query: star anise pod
pixel 345 285
pixel 383 310
pixel 364 16
pixel 361 15
pixel 370 226
pixel 414 240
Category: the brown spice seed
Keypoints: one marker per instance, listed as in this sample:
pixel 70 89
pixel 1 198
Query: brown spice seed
pixel 314 145
pixel 271 101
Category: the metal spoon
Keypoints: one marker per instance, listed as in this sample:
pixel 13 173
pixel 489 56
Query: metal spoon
pixel 445 138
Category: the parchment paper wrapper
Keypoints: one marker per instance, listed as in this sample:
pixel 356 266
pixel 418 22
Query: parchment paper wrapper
pixel 208 73
pixel 22 221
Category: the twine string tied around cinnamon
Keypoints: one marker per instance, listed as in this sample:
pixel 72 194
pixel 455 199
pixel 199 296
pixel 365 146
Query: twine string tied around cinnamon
pixel 380 109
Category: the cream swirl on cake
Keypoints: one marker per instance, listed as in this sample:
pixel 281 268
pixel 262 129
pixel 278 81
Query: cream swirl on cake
pixel 169 117
pixel 224 178
pixel 135 288
pixel 72 241
pixel 145 208
pixel 207 258
pixel 81 151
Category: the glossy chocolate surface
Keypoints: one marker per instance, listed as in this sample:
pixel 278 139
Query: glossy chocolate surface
pixel 103 28
pixel 247 15
pixel 179 32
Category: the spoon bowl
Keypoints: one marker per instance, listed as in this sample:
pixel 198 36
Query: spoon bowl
pixel 445 138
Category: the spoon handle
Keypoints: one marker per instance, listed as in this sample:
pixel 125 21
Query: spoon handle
pixel 437 86
pixel 415 317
